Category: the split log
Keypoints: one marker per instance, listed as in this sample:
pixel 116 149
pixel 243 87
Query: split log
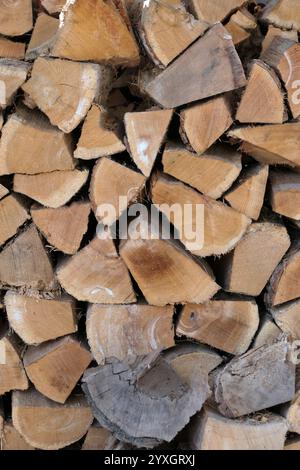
pixel 284 284
pixel 145 133
pixel 211 173
pixel 212 431
pixel 263 99
pixel 291 412
pixel 261 378
pixel 285 193
pixel 13 215
pixel 284 55
pixel 285 14
pixel 42 36
pixel 13 74
pixel 63 90
pixel 12 373
pixel 99 135
pixel 238 34
pixel 25 263
pixel 94 30
pixel 55 367
pixel 11 439
pixel 98 438
pixel 228 325
pixel 287 317
pixel 244 19
pixel 37 320
pixel 222 226
pixel 11 49
pixel 110 182
pixel 47 425
pixel 53 6
pixel 125 332
pixel 203 123
pixel 167 29
pixel 268 332
pixel 170 274
pixel 158 402
pixel 273 32
pixel 3 191
pixel 96 274
pixel 214 11
pixel 292 444
pixel 247 269
pixel 15 17
pixel 209 67
pixel 272 144
pixel 63 227
pixel 23 149
pixel 53 189
pixel 247 196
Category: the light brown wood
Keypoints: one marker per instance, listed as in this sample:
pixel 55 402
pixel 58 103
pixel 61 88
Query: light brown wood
pixel 284 13
pixel 11 439
pixel 268 332
pixel 247 269
pixel 13 214
pixel 42 36
pixel 47 425
pixel 285 193
pixel 110 182
pixel 11 49
pixel 145 133
pixel 273 31
pixel 99 136
pixel 12 373
pixel 126 332
pixel 96 274
pixel 37 320
pixel 53 6
pixel 222 226
pixel 272 143
pixel 291 412
pixel 94 30
pixel 263 99
pixel 212 431
pixel 284 284
pixel 215 11
pixel 165 272
pixel 15 17
pixel 210 66
pixel 292 444
pixel 228 325
pixel 23 150
pixel 63 90
pixel 25 263
pixel 244 19
pixel 203 123
pixel 284 55
pixel 63 227
pixel 247 196
pixel 55 367
pixel 98 438
pixel 211 173
pixel 238 34
pixel 51 189
pixel 167 29
pixel 3 191
pixel 287 317
pixel 13 74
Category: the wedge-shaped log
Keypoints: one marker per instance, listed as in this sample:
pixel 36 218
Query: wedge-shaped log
pixel 63 90
pixel 12 373
pixel 273 31
pixel 201 124
pixel 94 30
pixel 11 49
pixel 25 263
pixel 211 173
pixel 11 439
pixel 186 357
pixel 292 444
pixel 55 367
pixel 42 36
pixel 99 135
pixel 222 227
pixel 291 411
pixel 247 196
pixel 98 438
pixel 285 193
pixel 53 6
pixel 268 332
pixel 23 149
pixel 12 215
pixel 47 425
pixel 96 274
pixel 37 320
pixel 284 13
pixel 215 11
pixel 125 332
pixel 192 77
pixel 13 74
pixel 145 133
pixel 287 317
pixel 3 191
pixel 51 189
pixel 246 270
pixel 15 17
pixel 238 34
pixel 228 325
pixel 63 227
pixel 261 378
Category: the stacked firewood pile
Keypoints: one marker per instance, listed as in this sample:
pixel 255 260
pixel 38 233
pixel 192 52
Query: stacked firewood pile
pixel 109 340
